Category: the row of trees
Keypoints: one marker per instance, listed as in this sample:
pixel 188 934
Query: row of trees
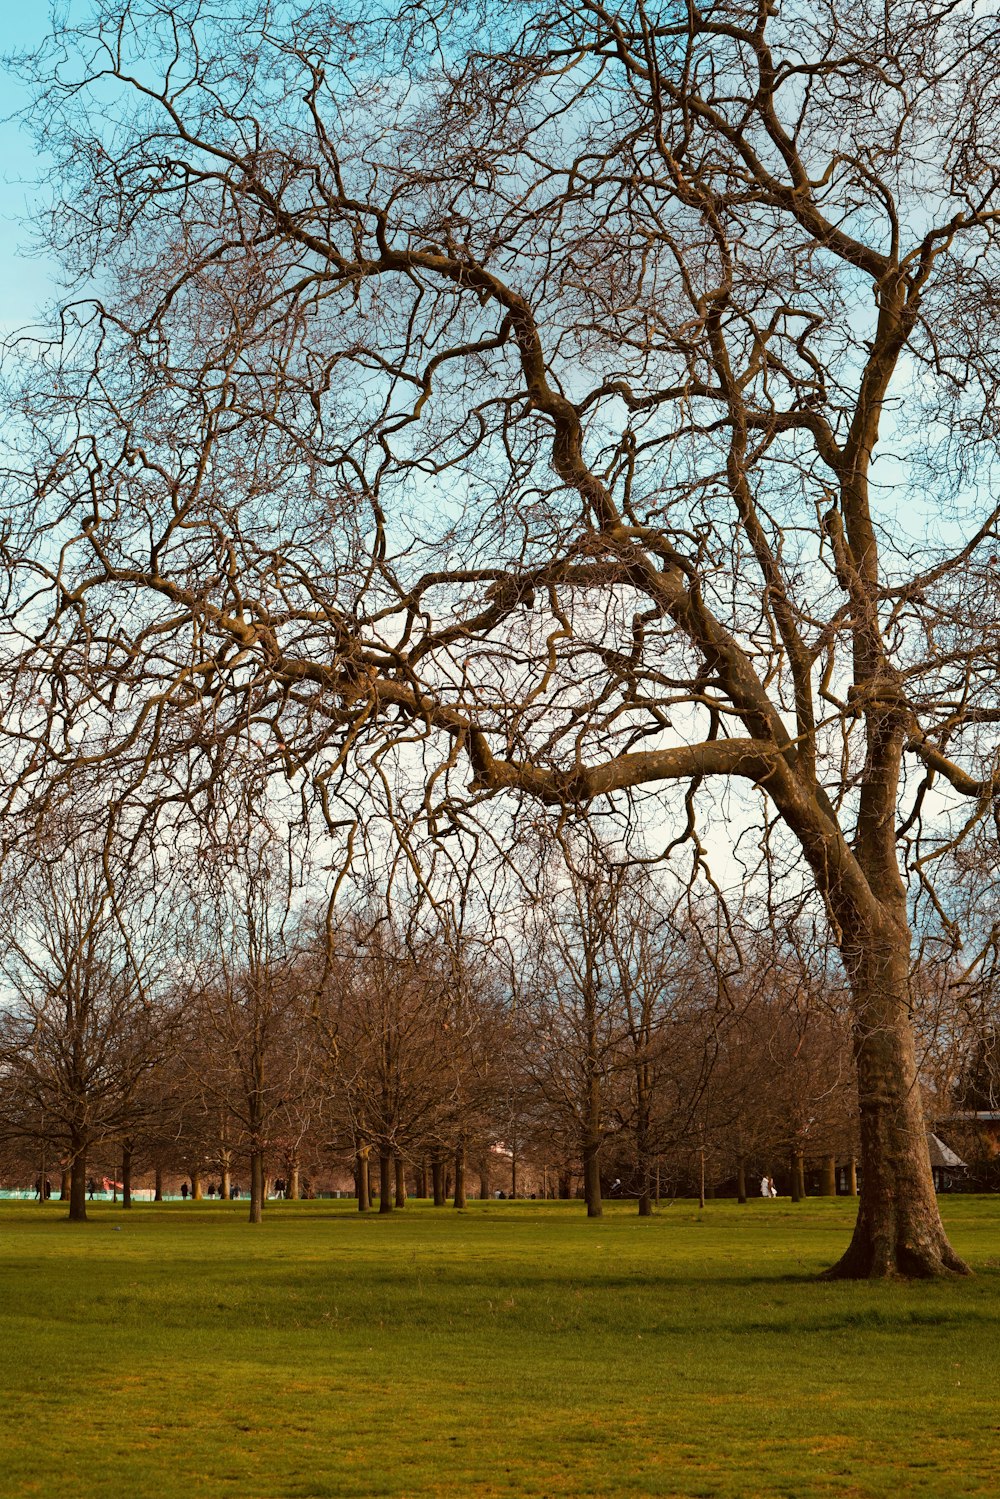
pixel 217 1024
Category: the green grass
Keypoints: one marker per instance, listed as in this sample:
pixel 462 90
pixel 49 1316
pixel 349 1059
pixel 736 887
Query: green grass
pixel 511 1349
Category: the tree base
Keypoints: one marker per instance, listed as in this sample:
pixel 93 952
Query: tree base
pixel 903 1256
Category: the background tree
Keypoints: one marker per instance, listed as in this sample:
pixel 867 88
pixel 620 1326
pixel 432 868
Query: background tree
pixel 82 965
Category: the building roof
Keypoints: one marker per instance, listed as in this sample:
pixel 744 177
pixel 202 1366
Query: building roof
pixel 941 1154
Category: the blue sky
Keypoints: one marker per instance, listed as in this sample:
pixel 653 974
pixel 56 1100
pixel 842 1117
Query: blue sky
pixel 24 281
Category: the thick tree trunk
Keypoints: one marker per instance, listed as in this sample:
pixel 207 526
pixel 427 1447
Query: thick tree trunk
pixel 592 1178
pixel 197 1190
pixel 64 1185
pixel 77 1184
pixel 800 1176
pixel 422 1179
pixel 898 1229
pixel 294 1188
pixel 741 1178
pixel 485 1181
pixel 400 1170
pixel 460 1200
pixel 158 1184
pixel 852 1177
pixel 256 1187
pixel 126 1175
pixel 437 1181
pixel 384 1181
pixel 565 1185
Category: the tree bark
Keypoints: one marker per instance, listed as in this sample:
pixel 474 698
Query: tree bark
pixel 592 1178
pixel 64 1185
pixel 460 1200
pixel 384 1181
pixel 437 1181
pixel 852 1177
pixel 800 1176
pixel 197 1191
pixel 158 1184
pixel 828 1185
pixel 77 1183
pixel 400 1170
pixel 741 1178
pixel 361 1178
pixel 898 1229
pixel 127 1175
pixel 485 1179
pixel 256 1186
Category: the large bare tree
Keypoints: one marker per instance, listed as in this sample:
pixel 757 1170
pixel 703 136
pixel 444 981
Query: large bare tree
pixel 594 402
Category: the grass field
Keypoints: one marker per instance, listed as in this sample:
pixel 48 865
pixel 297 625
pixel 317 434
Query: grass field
pixel 514 1349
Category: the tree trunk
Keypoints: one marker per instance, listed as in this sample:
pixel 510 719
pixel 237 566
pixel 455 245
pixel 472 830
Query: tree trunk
pixel 852 1177
pixel 400 1170
pixel 701 1177
pixel 565 1185
pixel 77 1185
pixel 898 1229
pixel 384 1181
pixel 741 1178
pixel 485 1181
pixel 592 1178
pixel 437 1181
pixel 422 1179
pixel 460 1175
pixel 643 1109
pixel 361 1177
pixel 126 1175
pixel 64 1185
pixel 158 1184
pixel 256 1186
pixel 800 1176
pixel 197 1191
pixel 793 1171
pixel 828 1184
pixel 294 1183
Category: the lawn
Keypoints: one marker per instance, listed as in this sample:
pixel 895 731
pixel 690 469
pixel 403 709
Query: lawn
pixel 513 1349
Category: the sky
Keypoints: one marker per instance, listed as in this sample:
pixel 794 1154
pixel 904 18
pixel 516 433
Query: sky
pixel 24 281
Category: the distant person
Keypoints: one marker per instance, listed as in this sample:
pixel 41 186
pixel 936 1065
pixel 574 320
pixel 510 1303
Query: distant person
pixel 184 1191
pixel 91 1188
pixel 234 1192
pixel 765 1186
pixel 772 1190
